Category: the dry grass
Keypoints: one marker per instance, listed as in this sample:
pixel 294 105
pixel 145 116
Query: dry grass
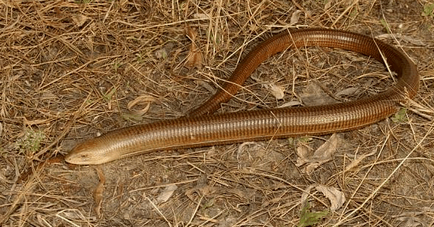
pixel 70 68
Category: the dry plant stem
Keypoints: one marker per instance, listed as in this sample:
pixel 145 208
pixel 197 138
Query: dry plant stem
pixel 66 129
pixel 28 187
pixel 202 129
pixel 387 179
pixel 195 210
pixel 56 54
pixel 346 11
pixel 159 212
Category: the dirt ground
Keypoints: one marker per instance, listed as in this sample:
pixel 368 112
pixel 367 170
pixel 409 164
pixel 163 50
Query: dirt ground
pixel 72 70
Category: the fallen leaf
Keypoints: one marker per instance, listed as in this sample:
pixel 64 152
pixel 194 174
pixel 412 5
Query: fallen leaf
pixel 322 155
pixel 412 218
pixel 166 193
pixel 203 190
pixel 305 195
pixel 295 17
pixel 411 221
pixel 336 197
pixel 79 19
pixel 313 95
pixel 409 39
pixel 145 100
pixel 400 116
pixel 290 104
pixel 348 92
pixel 303 155
pixel 276 90
pixel 207 86
pixel 132 117
pixel 99 190
pixel 161 53
pixel 356 161
pixel 164 52
pixel 194 57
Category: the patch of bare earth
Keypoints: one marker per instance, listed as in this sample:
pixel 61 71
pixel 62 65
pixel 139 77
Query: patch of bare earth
pixel 69 69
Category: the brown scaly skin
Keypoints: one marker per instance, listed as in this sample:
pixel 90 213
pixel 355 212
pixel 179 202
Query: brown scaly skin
pixel 202 129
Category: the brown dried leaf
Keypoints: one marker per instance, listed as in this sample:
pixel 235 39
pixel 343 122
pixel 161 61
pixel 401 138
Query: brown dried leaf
pixel 276 90
pixel 336 197
pixel 207 86
pixel 303 155
pixel 313 95
pixel 161 53
pixel 356 161
pixel 98 193
pixel 322 155
pixel 409 39
pixel 142 100
pixel 348 92
pixel 166 193
pixel 191 33
pixel 202 190
pixel 295 17
pixel 194 57
pixel 305 194
pixel 79 19
pixel 164 52
pixel 290 104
